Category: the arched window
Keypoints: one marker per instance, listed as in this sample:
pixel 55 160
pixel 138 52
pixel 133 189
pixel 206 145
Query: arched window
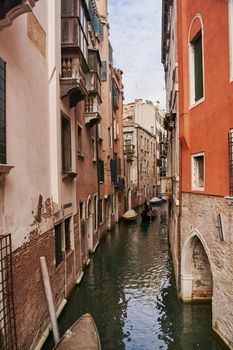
pixel 196 61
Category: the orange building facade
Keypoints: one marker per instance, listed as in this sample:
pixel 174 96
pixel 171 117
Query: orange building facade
pixel 205 41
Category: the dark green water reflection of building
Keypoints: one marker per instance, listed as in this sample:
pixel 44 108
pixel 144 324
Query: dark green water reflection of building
pixel 129 289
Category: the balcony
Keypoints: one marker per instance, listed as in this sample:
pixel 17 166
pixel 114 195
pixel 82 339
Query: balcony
pixel 73 80
pixel 166 187
pixel 11 9
pixel 129 152
pixel 163 152
pixel 92 115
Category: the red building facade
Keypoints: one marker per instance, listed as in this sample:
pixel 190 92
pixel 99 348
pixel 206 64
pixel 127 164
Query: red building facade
pixel 205 41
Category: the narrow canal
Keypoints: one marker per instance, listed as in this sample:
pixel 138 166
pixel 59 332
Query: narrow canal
pixel 130 291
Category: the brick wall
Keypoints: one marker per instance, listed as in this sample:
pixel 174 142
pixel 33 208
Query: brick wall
pixel 199 214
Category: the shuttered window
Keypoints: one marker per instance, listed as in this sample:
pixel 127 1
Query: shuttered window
pixel 101 170
pixel 66 143
pixel 2 112
pixel 58 244
pixel 198 67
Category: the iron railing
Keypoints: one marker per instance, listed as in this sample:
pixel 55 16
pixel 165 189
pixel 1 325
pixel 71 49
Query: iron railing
pixel 8 340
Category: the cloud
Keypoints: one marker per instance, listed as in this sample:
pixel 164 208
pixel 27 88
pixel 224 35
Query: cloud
pixel 135 34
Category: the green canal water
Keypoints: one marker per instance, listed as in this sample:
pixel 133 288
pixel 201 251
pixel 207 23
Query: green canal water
pixel 129 289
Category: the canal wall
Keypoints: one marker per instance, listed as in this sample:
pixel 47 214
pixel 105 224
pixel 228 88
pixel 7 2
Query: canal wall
pixel 206 257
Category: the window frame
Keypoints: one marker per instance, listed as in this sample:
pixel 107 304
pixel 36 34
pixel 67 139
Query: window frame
pixel 192 101
pixel 193 174
pixel 66 167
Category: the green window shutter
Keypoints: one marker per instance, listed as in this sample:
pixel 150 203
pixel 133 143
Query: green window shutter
pixel 58 244
pixel 67 234
pixel 101 170
pixel 113 166
pixel 198 68
pixel 2 112
pixel 115 96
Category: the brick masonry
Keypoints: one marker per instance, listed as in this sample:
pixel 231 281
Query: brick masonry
pixel 199 214
pixel 31 311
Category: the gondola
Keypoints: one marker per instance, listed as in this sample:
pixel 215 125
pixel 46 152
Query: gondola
pixel 130 215
pixel 148 215
pixel 82 335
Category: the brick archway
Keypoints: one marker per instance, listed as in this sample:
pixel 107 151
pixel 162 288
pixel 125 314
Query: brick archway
pixel 196 272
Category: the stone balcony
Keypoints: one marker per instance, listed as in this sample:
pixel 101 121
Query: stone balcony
pixel 73 79
pixel 11 9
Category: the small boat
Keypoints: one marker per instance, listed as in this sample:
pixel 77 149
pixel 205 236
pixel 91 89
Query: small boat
pixel 130 215
pixel 82 335
pixel 148 215
pixel 156 201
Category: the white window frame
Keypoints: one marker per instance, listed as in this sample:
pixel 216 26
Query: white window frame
pixel 230 18
pixel 194 187
pixel 192 102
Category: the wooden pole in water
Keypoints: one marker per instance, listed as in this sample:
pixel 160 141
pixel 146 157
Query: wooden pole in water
pixel 49 297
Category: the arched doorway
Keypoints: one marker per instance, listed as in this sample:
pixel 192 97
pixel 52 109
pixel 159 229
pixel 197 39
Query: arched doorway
pixel 196 274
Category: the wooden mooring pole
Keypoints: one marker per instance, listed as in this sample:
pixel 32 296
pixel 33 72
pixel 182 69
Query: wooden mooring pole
pixel 49 297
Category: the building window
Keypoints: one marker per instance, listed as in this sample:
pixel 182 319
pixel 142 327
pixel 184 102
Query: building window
pixel 101 170
pixel 2 112
pixel 93 146
pixel 100 211
pixel 74 25
pixel 95 212
pixel 66 143
pixel 198 172
pixel 230 10
pixel 196 69
pixel 230 148
pixel 80 141
pixel 67 234
pixel 58 244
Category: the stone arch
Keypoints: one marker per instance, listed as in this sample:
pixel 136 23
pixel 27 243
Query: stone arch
pixel 196 271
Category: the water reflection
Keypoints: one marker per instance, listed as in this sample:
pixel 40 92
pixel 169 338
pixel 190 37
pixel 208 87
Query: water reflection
pixel 129 289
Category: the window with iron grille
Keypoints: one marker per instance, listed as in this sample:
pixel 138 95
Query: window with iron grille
pixel 2 112
pixel 230 148
pixel 66 143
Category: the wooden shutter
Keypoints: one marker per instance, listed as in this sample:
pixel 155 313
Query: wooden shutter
pixel 67 234
pixel 198 68
pixel 101 170
pixel 58 244
pixel 2 112
pixel 113 166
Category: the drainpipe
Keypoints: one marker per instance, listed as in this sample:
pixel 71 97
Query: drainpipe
pixel 98 183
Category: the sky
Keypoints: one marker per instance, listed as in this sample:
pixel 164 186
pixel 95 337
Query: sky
pixel 135 35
